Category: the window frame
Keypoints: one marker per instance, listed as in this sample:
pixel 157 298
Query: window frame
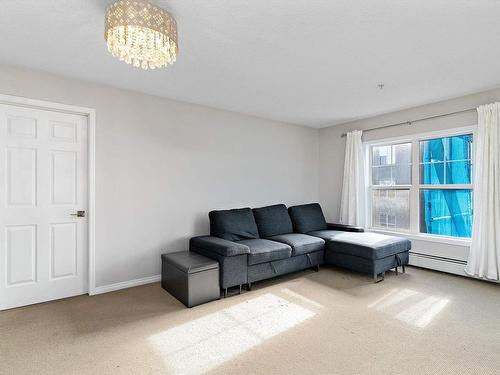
pixel 415 187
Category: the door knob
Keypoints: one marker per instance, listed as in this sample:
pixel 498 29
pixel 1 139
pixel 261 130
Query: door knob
pixel 79 214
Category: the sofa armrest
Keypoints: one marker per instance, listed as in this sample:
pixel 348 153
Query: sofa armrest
pixel 344 227
pixel 218 245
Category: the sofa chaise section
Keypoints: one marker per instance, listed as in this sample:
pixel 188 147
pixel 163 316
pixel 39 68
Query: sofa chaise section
pixel 351 247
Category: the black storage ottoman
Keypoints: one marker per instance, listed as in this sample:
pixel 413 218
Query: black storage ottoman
pixel 190 277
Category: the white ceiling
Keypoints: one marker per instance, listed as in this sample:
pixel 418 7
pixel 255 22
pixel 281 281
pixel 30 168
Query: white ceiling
pixel 308 62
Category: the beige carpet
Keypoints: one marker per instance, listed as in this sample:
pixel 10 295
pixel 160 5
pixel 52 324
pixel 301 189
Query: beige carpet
pixel 331 322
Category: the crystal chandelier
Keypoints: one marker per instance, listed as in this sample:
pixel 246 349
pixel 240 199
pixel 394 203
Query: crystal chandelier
pixel 141 34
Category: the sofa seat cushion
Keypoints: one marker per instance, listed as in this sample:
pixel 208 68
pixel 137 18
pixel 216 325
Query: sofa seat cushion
pixel 272 220
pixel 263 251
pixel 233 225
pixel 364 245
pixel 326 234
pixel 307 217
pixel 300 243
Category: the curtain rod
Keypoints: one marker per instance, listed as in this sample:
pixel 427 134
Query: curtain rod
pixel 417 120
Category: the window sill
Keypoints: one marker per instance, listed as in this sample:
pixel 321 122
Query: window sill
pixel 425 237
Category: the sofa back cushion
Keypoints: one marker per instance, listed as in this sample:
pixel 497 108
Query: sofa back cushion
pixel 233 225
pixel 307 217
pixel 273 220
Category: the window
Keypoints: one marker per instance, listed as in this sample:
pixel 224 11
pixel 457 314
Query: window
pixel 423 185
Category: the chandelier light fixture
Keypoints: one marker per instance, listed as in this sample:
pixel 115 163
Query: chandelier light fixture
pixel 141 33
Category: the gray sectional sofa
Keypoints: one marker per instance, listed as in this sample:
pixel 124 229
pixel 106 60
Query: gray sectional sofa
pixel 261 243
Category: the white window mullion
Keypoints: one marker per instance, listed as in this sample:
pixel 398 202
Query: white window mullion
pixel 414 191
pixel 368 176
pixel 445 149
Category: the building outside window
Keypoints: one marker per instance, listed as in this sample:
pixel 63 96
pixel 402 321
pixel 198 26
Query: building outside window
pixel 391 183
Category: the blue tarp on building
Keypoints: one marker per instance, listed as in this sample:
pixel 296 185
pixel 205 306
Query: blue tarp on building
pixel 446 211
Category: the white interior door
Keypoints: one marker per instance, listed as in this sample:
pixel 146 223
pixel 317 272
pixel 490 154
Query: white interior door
pixel 43 183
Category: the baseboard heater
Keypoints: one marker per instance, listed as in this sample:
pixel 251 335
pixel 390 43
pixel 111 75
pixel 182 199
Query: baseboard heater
pixel 438 263
pixel 443 259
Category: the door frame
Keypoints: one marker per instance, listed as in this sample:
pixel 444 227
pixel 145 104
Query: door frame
pixel 90 113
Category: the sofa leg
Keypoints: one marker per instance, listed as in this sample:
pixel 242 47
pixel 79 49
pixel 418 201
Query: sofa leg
pixel 316 268
pixel 225 292
pixel 376 279
pixel 249 286
pixel 240 289
pixel 404 269
pixel 396 270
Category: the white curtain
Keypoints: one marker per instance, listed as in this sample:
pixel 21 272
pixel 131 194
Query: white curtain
pixel 352 204
pixel 484 257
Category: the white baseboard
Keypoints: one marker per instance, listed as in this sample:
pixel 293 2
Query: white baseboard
pixel 125 284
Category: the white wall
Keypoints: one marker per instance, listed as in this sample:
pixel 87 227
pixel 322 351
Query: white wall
pixel 332 148
pixel 161 165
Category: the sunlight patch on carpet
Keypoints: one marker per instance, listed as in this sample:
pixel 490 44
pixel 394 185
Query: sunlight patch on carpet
pixel 395 297
pixel 422 313
pixel 207 342
pixel 422 309
pixel 302 298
